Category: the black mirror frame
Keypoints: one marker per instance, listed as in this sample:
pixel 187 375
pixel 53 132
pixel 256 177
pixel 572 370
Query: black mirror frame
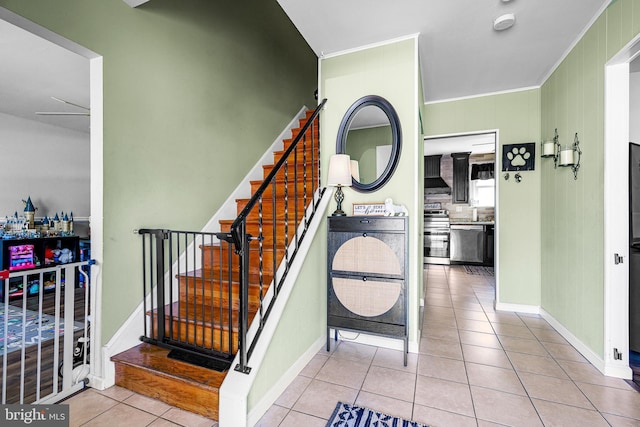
pixel 396 139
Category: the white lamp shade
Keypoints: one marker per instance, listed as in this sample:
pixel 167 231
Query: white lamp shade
pixel 355 170
pixel 339 170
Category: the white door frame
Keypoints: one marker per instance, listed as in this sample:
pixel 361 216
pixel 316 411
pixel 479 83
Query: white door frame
pixel 96 185
pixel 616 211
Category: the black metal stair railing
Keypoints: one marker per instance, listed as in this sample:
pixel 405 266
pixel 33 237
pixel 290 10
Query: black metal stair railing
pixel 202 290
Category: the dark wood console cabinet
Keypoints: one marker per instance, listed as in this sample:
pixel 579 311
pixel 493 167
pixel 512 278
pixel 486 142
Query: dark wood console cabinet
pixel 367 276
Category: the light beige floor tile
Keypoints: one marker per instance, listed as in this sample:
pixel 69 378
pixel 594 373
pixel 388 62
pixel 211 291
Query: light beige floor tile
pixel 438 418
pixel 617 421
pixel 354 351
pixel 147 404
pixel 485 356
pixel 439 312
pixel 468 306
pixel 548 335
pixel 116 392
pixel 587 373
pixel 439 367
pixel 523 345
pixel 505 318
pixel 479 339
pixel 87 405
pixel 542 365
pixel 625 403
pixel 121 415
pixel 348 373
pixel 386 404
pixel 495 378
pixel 441 348
pixel 504 408
pixel 314 366
pixel 505 329
pixel 554 390
pixel 297 419
pixel 557 415
pixel 390 382
pixel 291 394
pixel 535 321
pixel 438 323
pixel 471 315
pixel 320 398
pixel 187 419
pixel 564 352
pixel 475 326
pixel 441 333
pixel 446 395
pixel 161 422
pixel 394 359
pixel 273 417
pixel 483 423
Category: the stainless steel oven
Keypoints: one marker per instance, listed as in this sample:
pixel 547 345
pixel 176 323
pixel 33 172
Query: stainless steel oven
pixel 436 237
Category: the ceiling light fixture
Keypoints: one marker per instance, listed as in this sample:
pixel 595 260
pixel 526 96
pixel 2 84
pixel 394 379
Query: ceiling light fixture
pixel 504 22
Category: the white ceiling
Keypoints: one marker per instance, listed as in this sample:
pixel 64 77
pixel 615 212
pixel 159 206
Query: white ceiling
pixel 461 54
pixel 32 70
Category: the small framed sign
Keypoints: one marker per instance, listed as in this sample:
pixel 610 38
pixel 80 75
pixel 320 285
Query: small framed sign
pixel 368 209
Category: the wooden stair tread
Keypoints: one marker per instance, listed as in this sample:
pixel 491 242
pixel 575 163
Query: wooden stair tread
pixel 154 359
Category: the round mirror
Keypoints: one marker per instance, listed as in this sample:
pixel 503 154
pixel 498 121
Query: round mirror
pixel 370 134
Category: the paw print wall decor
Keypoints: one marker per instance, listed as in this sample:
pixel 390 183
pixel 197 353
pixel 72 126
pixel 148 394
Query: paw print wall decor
pixel 519 157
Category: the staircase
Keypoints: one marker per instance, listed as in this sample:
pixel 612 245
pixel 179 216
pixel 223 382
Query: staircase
pixel 207 313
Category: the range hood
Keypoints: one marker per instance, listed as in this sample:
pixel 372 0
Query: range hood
pixel 433 182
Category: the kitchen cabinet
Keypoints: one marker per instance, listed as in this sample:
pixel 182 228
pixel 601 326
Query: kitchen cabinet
pixel 460 189
pixel 367 276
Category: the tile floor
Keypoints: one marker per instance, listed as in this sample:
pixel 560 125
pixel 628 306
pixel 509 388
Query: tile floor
pixel 476 367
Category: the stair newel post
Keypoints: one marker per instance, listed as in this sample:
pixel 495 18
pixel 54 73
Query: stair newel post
pixel 243 318
pixel 161 237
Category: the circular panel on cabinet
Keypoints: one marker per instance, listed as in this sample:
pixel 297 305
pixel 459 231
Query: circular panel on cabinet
pixel 367 255
pixel 366 298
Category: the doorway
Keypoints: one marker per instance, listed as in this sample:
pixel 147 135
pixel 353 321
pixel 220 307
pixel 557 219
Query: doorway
pixel 616 211
pixel 95 211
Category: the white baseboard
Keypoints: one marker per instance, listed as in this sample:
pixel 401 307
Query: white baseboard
pixel 518 308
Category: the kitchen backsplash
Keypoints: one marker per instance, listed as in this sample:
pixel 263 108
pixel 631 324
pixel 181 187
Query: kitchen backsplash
pixel 460 211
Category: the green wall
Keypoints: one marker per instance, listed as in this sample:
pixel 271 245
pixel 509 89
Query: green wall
pixel 572 210
pixel 194 92
pixel 390 71
pixel 516 115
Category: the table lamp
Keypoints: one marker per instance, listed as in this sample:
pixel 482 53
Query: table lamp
pixel 339 176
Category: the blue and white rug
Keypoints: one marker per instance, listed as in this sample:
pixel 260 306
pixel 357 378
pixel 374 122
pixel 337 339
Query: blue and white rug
pixel 346 415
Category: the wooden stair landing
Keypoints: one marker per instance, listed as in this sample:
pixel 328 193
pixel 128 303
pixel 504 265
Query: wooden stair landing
pixel 146 369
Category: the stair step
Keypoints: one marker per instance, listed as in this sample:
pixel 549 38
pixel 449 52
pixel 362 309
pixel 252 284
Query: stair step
pixel 267 208
pixel 146 369
pixel 299 168
pixel 211 258
pixel 311 150
pixel 292 188
pixel 253 228
pixel 209 328
pixel 200 287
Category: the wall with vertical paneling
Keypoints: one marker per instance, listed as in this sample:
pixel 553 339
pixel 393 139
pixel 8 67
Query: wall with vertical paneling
pixel 572 211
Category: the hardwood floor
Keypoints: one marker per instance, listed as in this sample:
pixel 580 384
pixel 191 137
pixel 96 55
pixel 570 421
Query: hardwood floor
pixel 48 371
